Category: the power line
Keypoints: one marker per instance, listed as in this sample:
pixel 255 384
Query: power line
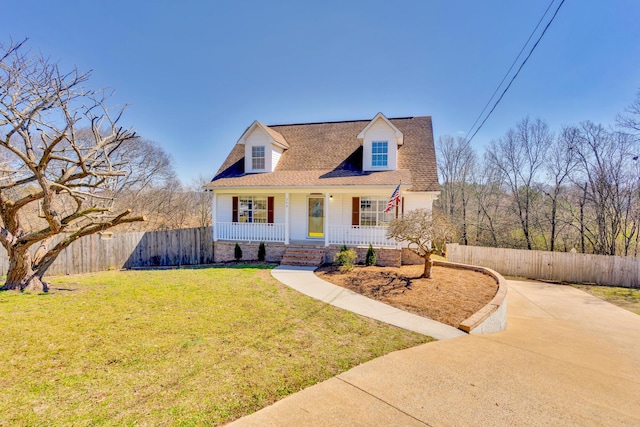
pixel 510 68
pixel 517 72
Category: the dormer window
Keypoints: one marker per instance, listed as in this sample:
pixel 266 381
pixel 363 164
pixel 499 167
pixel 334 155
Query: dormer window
pixel 263 147
pixel 380 141
pixel 380 154
pixel 257 157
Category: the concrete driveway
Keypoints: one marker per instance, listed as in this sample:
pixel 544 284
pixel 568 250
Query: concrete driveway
pixel 566 358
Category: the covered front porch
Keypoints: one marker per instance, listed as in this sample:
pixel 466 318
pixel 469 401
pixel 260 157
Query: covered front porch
pixel 336 234
pixel 335 217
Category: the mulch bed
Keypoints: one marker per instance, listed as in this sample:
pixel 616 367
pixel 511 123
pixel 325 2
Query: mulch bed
pixel 450 296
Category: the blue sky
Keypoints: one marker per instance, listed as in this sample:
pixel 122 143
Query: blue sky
pixel 197 73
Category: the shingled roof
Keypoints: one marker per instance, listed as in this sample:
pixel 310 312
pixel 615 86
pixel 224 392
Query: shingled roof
pixel 330 154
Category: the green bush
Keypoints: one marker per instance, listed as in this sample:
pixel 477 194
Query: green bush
pixel 370 258
pixel 237 252
pixel 343 248
pixel 261 252
pixel 345 259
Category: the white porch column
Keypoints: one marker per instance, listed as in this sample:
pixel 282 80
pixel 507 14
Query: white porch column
pixel 287 232
pixel 214 216
pixel 326 219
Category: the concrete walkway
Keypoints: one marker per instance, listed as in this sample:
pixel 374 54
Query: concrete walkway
pixel 566 358
pixel 305 281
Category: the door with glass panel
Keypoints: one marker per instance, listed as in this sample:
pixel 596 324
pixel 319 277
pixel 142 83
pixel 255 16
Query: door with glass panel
pixel 315 226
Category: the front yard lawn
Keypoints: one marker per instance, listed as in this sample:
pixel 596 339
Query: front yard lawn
pixel 173 347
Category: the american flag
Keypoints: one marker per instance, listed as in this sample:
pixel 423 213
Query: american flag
pixel 394 199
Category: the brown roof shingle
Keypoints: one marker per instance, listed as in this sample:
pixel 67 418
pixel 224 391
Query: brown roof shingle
pixel 329 154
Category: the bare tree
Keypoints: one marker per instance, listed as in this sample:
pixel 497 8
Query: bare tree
pixel 560 162
pixel 59 144
pixel 456 162
pixel 425 232
pixel 607 178
pixel 630 120
pixel 519 156
pixel 201 201
pixel 488 198
pixel 151 175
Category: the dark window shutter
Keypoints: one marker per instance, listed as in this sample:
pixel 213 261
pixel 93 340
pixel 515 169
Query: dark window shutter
pixel 355 211
pixel 270 209
pixel 234 215
pixel 402 206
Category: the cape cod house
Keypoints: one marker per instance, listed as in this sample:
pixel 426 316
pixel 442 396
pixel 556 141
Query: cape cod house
pixel 307 189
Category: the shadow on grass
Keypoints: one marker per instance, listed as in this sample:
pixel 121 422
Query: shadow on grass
pixel 234 265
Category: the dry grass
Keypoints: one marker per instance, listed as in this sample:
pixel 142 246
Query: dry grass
pixel 181 347
pixel 450 296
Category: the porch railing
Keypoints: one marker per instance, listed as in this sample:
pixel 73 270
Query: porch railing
pixel 250 231
pixel 359 235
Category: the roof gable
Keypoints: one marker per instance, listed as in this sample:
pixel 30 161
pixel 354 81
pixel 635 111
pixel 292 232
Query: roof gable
pixel 380 116
pixel 274 136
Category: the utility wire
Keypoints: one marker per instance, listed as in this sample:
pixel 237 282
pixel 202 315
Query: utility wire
pixel 517 72
pixel 510 68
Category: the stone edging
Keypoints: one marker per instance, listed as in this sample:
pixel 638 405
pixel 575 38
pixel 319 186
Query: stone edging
pixel 493 316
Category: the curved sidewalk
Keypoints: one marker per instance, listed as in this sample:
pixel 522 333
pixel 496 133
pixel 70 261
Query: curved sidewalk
pixel 566 358
pixel 304 280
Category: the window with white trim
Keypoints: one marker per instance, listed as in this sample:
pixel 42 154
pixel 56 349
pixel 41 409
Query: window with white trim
pixel 372 211
pixel 257 157
pixel 379 153
pixel 252 209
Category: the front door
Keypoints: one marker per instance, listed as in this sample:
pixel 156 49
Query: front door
pixel 315 227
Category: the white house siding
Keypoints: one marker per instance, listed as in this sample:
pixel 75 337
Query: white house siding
pixel 298 218
pixel 380 131
pixel 336 209
pixel 422 200
pixel 276 152
pixel 278 208
pixel 225 206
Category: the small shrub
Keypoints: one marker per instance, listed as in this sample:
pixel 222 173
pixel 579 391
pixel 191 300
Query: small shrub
pixel 261 252
pixel 345 259
pixel 370 258
pixel 343 248
pixel 237 252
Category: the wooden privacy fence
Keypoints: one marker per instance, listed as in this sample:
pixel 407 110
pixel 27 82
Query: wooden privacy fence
pixel 556 266
pixel 188 246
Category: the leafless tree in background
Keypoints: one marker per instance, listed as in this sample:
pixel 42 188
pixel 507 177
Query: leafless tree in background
pixel 580 189
pixel 629 121
pixel 201 201
pixel 456 163
pixel 560 162
pixel 519 157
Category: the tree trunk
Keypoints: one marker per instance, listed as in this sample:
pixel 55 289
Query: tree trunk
pixel 21 275
pixel 554 207
pixel 426 274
